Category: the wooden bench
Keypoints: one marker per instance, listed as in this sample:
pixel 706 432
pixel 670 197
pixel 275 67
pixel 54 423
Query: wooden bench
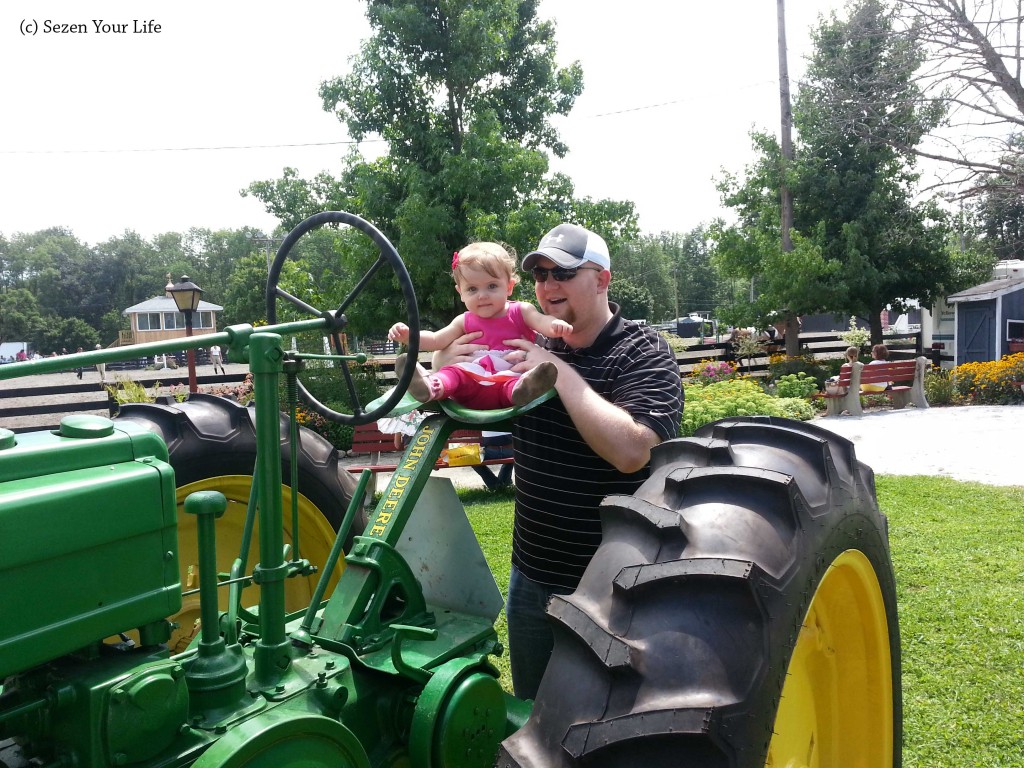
pixel 368 439
pixel 906 377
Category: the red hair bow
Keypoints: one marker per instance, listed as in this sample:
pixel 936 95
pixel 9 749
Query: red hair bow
pixel 455 261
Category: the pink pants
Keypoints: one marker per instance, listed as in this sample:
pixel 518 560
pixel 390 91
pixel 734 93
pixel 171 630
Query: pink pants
pixel 467 391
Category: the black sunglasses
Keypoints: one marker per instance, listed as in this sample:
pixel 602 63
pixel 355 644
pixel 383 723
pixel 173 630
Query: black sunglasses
pixel 561 274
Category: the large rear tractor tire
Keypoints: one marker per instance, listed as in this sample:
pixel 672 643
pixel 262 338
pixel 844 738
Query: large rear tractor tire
pixel 212 446
pixel 740 611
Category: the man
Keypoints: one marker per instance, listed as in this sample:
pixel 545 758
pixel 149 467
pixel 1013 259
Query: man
pixel 619 395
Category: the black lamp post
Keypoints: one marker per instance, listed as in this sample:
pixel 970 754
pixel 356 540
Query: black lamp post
pixel 186 295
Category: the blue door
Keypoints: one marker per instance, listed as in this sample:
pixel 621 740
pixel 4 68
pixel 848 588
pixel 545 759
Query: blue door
pixel 976 342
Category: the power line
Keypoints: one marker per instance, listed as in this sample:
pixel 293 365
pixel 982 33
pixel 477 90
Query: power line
pixel 238 147
pixel 178 149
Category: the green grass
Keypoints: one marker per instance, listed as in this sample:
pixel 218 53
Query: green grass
pixel 958 551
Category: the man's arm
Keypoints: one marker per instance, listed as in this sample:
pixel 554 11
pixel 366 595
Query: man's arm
pixel 610 431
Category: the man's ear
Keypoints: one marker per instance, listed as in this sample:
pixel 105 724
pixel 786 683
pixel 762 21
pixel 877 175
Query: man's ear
pixel 603 280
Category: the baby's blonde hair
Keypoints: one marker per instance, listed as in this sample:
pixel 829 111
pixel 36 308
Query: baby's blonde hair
pixel 495 259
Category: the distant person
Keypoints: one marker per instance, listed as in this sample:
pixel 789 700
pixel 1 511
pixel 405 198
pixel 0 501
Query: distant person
pixel 79 369
pixel 879 354
pixel 496 445
pixel 850 357
pixel 217 359
pixel 101 368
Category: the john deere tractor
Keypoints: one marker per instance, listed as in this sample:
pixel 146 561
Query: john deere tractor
pixel 739 612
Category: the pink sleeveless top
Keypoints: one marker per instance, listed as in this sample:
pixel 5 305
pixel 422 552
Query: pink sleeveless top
pixel 490 364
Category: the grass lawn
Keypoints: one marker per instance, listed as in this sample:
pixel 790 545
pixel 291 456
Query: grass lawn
pixel 957 549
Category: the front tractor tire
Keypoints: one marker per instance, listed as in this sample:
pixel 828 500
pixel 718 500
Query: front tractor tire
pixel 740 611
pixel 212 445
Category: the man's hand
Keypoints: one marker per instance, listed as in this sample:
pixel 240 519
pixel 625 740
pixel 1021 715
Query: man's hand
pixel 528 355
pixel 459 351
pixel 399 332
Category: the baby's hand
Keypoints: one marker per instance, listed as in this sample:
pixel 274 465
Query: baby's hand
pixel 399 332
pixel 559 328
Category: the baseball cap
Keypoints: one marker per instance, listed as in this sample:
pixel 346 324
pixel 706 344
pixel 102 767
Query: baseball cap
pixel 569 245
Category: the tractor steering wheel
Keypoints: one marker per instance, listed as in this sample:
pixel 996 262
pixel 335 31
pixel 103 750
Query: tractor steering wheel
pixel 337 320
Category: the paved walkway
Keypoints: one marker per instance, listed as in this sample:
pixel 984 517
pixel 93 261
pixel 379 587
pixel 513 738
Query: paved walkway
pixel 983 443
pixel 980 443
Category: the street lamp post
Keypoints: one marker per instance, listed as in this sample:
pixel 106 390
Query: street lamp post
pixel 186 295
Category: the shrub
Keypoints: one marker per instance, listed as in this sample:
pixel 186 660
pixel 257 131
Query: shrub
pixel 939 387
pixel 781 365
pixel 990 383
pixel 798 385
pixel 338 435
pixel 747 347
pixel 854 336
pixel 709 371
pixel 737 397
pixel 675 343
pixel 125 390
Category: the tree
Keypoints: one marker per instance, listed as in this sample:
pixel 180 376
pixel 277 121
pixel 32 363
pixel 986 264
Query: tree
pixel 58 269
pixel 65 333
pixel 1000 210
pixel 700 287
pixel 860 242
pixel 463 93
pixel 858 114
pixel 130 271
pixel 19 315
pixel 973 67
pixel 243 296
pixel 634 300
pixel 750 252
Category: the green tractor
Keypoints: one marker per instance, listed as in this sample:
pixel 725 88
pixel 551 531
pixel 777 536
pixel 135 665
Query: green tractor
pixel 739 612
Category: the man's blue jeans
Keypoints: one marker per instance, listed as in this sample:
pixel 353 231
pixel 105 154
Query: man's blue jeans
pixel 530 639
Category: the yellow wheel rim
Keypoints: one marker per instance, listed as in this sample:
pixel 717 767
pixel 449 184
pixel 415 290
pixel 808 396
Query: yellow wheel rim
pixel 837 702
pixel 316 536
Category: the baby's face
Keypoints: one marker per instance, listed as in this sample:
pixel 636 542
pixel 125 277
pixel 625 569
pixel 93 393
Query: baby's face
pixel 483 294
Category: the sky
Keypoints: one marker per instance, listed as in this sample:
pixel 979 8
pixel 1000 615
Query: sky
pixel 158 128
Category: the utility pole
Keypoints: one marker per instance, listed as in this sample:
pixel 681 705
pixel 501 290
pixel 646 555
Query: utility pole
pixel 786 140
pixel 268 243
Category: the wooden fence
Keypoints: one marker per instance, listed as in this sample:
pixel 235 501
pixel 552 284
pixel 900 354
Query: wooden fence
pixel 31 406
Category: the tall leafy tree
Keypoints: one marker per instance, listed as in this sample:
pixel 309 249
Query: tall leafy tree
pixel 462 92
pixel 698 285
pixel 859 114
pixel 749 249
pixel 861 242
pixel 19 315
